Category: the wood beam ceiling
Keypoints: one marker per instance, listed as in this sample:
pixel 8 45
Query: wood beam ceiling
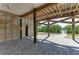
pixel 65 12
pixel 61 21
pixel 53 11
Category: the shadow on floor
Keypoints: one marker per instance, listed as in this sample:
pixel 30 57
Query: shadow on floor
pixel 58 49
pixel 76 41
pixel 26 46
pixel 44 39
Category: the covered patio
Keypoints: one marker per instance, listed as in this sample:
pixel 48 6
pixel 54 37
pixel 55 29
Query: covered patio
pixel 49 46
pixel 19 28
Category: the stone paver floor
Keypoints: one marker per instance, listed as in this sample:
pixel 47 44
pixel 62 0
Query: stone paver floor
pixel 54 45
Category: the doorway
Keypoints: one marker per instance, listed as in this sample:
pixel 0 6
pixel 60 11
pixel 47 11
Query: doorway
pixel 26 30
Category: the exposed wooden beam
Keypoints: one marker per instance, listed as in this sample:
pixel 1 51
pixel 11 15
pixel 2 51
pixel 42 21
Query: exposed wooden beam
pixel 51 12
pixel 65 8
pixel 35 25
pixel 48 29
pixel 64 19
pixel 76 7
pixel 61 21
pixel 76 16
pixel 59 16
pixel 45 5
pixel 71 7
pixel 58 7
pixel 76 22
pixel 44 21
pixel 58 22
pixel 48 12
pixel 20 29
pixel 73 29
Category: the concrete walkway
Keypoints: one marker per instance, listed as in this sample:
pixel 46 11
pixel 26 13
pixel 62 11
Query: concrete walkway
pixel 59 39
pixel 54 45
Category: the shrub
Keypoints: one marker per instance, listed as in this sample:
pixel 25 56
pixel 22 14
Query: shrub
pixel 43 29
pixel 77 29
pixel 68 28
pixel 53 29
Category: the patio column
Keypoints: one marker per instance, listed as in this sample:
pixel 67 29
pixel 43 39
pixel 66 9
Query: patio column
pixel 35 25
pixel 48 29
pixel 21 29
pixel 73 29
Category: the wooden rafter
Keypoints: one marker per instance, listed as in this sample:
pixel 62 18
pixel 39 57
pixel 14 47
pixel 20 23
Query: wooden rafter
pixel 58 7
pixel 61 21
pixel 52 11
pixel 56 11
pixel 76 7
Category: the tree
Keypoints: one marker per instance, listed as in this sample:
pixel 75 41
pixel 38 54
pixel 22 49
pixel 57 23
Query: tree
pixel 68 28
pixel 43 29
pixel 53 29
pixel 77 29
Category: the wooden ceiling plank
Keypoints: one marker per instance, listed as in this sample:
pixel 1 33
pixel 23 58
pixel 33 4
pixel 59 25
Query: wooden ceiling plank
pixel 42 14
pixel 65 9
pixel 58 7
pixel 76 6
pixel 48 12
pixel 45 13
pixel 57 11
pixel 52 11
pixel 71 7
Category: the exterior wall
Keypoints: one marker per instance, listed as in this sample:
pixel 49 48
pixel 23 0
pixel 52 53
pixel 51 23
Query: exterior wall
pixel 10 27
pixel 2 32
pixel 28 22
pixel 8 31
pixel 30 27
pixel 23 27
